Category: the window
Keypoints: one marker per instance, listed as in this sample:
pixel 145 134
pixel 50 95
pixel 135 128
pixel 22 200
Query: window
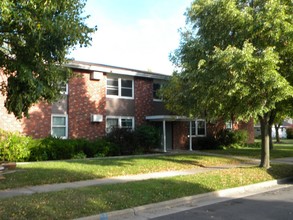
pixel 119 122
pixel 228 125
pixel 156 87
pixel 64 88
pixel 198 127
pixel 59 126
pixel 117 87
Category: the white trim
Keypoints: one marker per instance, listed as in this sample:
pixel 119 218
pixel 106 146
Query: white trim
pixel 66 90
pixel 196 128
pixel 164 136
pixel 66 124
pixel 190 136
pixel 120 87
pixel 167 118
pixel 116 70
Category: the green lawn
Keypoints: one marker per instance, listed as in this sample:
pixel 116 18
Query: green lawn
pixel 283 149
pixel 38 173
pixel 74 203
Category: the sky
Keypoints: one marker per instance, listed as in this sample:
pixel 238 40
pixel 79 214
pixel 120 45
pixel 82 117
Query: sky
pixel 137 34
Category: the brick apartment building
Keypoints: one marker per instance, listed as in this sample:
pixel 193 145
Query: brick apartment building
pixel 101 97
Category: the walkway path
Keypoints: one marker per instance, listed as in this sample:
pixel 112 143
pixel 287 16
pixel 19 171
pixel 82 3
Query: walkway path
pixel 111 180
pixel 122 179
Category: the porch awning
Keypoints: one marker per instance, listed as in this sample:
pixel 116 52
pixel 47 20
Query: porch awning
pixel 170 118
pixel 167 118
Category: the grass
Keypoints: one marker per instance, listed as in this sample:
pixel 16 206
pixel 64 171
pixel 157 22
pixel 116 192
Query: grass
pixel 38 173
pixel 69 204
pixel 283 149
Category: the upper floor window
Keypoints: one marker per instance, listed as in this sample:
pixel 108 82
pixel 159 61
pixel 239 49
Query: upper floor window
pixel 228 125
pixel 156 87
pixel 118 87
pixel 59 126
pixel 63 88
pixel 198 127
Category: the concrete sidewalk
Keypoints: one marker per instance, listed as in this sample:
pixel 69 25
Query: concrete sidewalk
pixel 128 178
pixel 112 180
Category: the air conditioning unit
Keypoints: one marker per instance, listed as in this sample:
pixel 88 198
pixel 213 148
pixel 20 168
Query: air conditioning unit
pixel 96 118
pixel 96 76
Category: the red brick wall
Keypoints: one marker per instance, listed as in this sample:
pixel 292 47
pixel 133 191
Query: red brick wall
pixel 7 121
pixel 143 95
pixel 249 127
pixel 86 97
pixel 37 126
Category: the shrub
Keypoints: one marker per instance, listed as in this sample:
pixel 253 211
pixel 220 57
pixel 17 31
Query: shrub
pixel 124 141
pixel 147 137
pixel 289 132
pixel 205 143
pixel 52 148
pixel 229 138
pixel 14 146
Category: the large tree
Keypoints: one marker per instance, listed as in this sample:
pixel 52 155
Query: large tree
pixel 234 61
pixel 35 37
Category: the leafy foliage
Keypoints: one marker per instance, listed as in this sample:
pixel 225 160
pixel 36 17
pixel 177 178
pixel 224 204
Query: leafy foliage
pixel 148 137
pixel 234 59
pixel 289 132
pixel 35 37
pixel 14 146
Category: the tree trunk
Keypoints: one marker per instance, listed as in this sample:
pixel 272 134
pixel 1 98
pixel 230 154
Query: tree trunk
pixel 277 126
pixel 265 142
pixel 270 137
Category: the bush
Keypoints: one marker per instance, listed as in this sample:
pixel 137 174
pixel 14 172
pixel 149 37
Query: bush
pixel 100 148
pixel 289 132
pixel 51 148
pixel 14 146
pixel 205 143
pixel 230 138
pixel 147 137
pixel 123 140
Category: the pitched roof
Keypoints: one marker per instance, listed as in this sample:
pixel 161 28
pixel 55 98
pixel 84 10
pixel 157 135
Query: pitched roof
pixel 96 67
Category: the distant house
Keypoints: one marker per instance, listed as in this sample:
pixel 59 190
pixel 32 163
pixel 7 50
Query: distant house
pixel 102 97
pixel 287 123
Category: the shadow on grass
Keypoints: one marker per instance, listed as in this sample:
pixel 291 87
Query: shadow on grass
pixel 70 204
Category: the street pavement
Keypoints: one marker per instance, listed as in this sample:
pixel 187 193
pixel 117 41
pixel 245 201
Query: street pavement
pixel 274 204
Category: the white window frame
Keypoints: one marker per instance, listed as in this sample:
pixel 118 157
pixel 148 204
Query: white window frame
pixel 195 122
pixel 66 90
pixel 120 87
pixel 229 125
pixel 60 126
pixel 120 121
pixel 160 83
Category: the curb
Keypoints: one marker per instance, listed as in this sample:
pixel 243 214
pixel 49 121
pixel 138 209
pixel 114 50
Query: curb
pixel 185 203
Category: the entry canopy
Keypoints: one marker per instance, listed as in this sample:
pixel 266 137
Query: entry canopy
pixel 170 118
pixel 167 118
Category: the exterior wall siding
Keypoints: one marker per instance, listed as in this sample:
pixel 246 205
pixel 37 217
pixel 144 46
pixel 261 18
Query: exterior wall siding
pixel 86 97
pixel 143 98
pixel 120 107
